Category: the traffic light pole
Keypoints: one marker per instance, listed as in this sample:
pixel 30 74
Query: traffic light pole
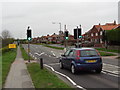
pixel 28 51
pixel 77 38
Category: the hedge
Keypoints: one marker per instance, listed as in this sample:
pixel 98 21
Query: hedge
pixel 113 35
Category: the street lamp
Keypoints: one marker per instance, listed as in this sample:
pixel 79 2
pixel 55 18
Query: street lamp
pixel 57 23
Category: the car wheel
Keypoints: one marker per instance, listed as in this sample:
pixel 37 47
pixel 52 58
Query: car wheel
pixel 73 69
pixel 98 70
pixel 61 65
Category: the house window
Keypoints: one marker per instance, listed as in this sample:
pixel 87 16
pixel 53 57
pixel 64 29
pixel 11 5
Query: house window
pixel 96 34
pixel 91 34
pixel 101 41
pixel 101 32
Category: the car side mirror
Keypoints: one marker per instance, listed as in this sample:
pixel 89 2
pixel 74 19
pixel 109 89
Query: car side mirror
pixel 63 55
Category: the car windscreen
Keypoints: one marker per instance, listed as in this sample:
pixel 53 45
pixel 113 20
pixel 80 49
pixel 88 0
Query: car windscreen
pixel 88 53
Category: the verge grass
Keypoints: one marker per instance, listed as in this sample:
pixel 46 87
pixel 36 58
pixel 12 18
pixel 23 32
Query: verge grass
pixel 24 54
pixel 108 50
pixel 42 78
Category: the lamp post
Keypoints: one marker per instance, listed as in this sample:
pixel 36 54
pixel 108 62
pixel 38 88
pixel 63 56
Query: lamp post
pixel 57 23
pixel 60 32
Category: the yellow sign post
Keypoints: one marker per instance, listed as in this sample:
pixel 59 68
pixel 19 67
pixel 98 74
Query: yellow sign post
pixel 12 45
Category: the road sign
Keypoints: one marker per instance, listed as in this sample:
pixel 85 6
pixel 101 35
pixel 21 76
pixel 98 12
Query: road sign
pixel 12 45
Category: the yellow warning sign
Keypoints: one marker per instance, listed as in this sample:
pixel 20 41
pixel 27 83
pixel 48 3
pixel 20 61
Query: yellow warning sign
pixel 12 45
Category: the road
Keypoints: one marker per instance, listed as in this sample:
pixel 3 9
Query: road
pixel 107 79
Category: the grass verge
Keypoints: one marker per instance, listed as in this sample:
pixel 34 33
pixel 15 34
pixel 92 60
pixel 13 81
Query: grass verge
pixel 101 53
pixel 108 50
pixel 59 48
pixel 44 78
pixel 106 54
pixel 24 54
pixel 7 60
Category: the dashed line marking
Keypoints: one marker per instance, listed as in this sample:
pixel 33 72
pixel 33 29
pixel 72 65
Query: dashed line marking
pixel 53 54
pixel 110 74
pixel 111 65
pixel 33 56
pixel 49 55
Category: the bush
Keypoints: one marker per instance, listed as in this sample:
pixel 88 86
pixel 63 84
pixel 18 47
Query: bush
pixel 5 49
pixel 113 36
pixel 7 41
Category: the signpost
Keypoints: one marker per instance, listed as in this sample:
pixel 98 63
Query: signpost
pixel 12 45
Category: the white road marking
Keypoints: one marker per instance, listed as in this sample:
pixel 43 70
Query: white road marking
pixel 39 54
pixel 110 74
pixel 110 71
pixel 64 76
pixel 111 65
pixel 57 57
pixel 33 56
pixel 49 56
pixel 53 54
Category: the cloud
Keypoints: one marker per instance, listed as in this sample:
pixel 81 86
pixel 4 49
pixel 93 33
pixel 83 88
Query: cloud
pixel 17 16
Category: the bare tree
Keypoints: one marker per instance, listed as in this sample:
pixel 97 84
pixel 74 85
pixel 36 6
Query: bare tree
pixel 5 34
pixel 6 38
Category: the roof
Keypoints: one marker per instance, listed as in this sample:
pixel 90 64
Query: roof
pixel 106 27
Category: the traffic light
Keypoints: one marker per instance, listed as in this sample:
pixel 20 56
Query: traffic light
pixel 29 35
pixel 79 33
pixel 66 35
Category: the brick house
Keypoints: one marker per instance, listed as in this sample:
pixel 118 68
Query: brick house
pixel 94 35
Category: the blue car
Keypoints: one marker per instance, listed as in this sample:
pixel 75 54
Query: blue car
pixel 79 59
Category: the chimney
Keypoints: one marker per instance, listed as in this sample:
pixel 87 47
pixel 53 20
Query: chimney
pixel 99 23
pixel 114 22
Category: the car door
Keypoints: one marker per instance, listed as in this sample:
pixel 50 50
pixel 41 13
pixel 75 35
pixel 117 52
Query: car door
pixel 64 58
pixel 69 58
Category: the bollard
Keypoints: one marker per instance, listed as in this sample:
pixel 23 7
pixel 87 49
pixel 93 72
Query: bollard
pixel 41 63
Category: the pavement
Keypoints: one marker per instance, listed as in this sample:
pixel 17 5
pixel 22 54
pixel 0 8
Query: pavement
pixel 18 76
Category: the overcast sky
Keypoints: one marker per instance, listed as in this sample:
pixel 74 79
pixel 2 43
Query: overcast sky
pixel 17 16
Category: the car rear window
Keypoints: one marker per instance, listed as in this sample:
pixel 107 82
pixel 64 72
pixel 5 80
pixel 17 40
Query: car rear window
pixel 88 53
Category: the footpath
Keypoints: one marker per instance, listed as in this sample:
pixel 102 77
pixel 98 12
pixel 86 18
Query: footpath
pixel 18 76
